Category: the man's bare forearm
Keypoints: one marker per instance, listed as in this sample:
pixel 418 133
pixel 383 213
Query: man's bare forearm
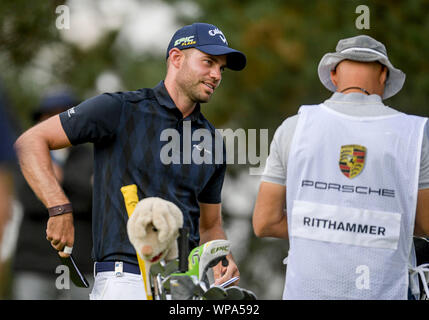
pixel 36 165
pixel 269 215
pixel 33 150
pixel 214 233
pixel 211 227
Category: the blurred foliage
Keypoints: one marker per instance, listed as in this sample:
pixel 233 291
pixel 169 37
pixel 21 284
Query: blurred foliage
pixel 283 40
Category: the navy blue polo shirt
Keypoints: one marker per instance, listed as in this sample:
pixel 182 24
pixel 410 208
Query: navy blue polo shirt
pixel 128 130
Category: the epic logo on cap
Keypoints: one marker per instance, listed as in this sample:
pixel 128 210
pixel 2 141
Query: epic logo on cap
pixel 185 41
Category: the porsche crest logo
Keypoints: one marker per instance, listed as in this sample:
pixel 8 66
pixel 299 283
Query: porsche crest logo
pixel 352 160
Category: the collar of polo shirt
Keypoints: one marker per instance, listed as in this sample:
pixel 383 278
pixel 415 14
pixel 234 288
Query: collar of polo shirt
pixel 165 100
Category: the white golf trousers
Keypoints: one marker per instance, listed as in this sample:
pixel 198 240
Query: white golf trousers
pixel 127 286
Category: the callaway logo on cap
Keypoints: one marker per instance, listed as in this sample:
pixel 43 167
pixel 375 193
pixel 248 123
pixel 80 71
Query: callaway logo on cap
pixel 209 39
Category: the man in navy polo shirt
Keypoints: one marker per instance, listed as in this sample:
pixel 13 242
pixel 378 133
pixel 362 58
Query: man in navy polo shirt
pixel 127 130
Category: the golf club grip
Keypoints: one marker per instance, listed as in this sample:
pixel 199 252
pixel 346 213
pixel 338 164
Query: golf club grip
pixel 183 244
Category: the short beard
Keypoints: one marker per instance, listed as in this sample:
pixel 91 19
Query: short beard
pixel 192 90
pixel 196 95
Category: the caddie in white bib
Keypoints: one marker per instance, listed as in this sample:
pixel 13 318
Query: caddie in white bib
pixel 350 225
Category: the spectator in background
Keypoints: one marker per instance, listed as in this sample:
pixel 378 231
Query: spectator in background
pixel 36 262
pixel 7 169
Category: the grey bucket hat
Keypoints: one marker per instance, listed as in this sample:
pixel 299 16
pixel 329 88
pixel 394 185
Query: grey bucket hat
pixel 361 48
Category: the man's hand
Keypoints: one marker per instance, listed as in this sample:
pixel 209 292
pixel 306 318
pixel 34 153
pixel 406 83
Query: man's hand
pixel 223 273
pixel 60 232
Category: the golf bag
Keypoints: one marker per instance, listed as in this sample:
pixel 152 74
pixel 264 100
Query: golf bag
pixel 186 278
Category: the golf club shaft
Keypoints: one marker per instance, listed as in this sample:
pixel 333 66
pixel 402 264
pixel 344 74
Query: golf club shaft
pixel 183 245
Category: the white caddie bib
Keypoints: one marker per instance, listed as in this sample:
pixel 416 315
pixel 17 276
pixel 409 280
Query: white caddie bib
pixel 352 186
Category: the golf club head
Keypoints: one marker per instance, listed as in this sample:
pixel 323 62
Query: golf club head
pixel 182 287
pixel 160 287
pixel 158 275
pixel 248 295
pixel 200 288
pixel 76 275
pixel 234 293
pixel 155 270
pixel 203 286
pixel 215 293
pixel 171 267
